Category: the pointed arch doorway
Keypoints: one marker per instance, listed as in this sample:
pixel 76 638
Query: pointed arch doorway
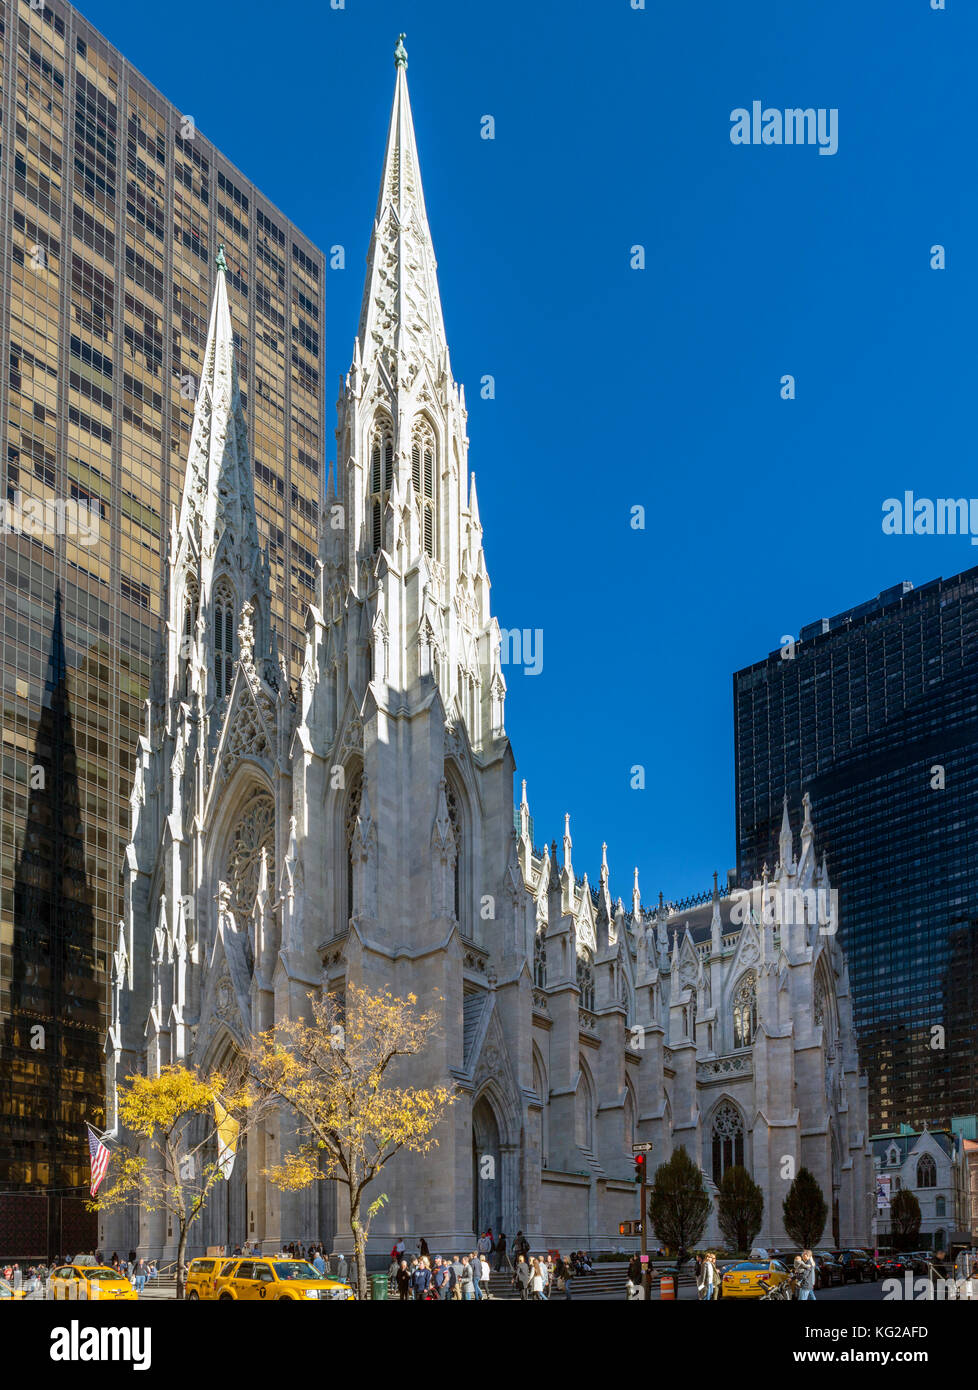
pixel 486 1168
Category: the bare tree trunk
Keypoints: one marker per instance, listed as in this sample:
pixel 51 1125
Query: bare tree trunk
pixel 181 1251
pixel 360 1250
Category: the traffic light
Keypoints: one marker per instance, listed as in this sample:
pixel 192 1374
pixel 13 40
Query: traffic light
pixel 622 1228
pixel 640 1167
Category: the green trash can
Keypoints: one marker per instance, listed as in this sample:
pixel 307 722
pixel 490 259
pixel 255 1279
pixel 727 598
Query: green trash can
pixel 378 1286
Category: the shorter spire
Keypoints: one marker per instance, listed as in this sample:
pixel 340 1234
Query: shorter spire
pixel 554 884
pixel 807 828
pixel 716 924
pixel 474 504
pixel 786 839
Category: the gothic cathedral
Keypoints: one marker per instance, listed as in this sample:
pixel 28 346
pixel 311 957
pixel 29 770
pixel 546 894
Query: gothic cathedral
pixel 362 829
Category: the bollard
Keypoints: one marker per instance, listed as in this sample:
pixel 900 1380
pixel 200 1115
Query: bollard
pixel 667 1287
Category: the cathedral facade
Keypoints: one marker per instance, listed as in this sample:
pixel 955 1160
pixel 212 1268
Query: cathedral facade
pixel 361 829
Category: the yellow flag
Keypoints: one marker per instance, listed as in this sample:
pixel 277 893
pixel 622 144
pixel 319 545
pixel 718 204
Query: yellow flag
pixel 227 1139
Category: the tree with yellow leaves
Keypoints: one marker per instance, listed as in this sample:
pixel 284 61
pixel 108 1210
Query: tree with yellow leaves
pixel 353 1117
pixel 174 1119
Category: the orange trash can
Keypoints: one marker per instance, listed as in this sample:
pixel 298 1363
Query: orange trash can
pixel 667 1287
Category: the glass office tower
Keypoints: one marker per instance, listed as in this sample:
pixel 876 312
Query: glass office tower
pixel 112 209
pixel 876 717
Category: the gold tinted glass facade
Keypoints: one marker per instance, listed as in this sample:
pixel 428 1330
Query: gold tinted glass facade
pixel 112 208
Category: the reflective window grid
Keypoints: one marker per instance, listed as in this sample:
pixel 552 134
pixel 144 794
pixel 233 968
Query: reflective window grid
pixel 112 208
pixel 876 716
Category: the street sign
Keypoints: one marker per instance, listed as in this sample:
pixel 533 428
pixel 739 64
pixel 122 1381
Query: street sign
pixel 641 1148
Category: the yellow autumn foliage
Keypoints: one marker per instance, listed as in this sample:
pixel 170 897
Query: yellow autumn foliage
pixel 338 1075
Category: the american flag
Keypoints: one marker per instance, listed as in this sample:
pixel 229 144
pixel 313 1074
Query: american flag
pixel 99 1156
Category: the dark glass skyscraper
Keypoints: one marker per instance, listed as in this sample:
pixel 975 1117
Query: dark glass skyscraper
pixel 113 208
pixel 875 715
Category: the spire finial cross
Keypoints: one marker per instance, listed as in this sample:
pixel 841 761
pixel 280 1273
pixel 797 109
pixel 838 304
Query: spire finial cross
pixel 400 52
pixel 220 259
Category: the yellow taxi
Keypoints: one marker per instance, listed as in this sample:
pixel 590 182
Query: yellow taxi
pixel 90 1281
pixel 7 1290
pixel 202 1276
pixel 744 1278
pixel 276 1278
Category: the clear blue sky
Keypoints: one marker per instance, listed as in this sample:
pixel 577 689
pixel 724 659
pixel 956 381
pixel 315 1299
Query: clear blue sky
pixel 616 387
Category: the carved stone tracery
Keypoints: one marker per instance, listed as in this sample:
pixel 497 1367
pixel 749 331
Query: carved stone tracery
pixel 254 831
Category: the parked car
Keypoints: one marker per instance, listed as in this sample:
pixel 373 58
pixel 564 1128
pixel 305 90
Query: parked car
pixel 744 1279
pixel 828 1271
pixel 201 1277
pixel 276 1280
pixel 896 1266
pixel 857 1266
pixel 90 1281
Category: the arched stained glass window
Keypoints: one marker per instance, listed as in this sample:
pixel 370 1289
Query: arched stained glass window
pixel 926 1171
pixel 728 1139
pixel 540 960
pixel 350 825
pixel 585 980
pixel 191 607
pixel 745 1011
pixel 455 816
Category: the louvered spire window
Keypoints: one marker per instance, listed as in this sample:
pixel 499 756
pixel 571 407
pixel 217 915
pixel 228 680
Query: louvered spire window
pixel 423 478
pixel 223 638
pixel 381 480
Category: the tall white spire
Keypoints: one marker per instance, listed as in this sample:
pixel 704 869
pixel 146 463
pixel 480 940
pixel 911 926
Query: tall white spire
pixel 412 536
pixel 216 566
pixel 401 318
pixel 218 492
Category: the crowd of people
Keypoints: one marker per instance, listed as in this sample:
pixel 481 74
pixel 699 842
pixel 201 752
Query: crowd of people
pixel 316 1255
pixel 423 1277
pixel 34 1279
pixel 417 1277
